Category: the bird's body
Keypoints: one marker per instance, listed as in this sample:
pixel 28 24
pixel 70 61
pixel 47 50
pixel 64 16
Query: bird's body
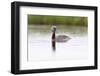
pixel 59 38
pixel 62 38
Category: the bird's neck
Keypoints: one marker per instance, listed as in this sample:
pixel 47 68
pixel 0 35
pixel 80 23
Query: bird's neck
pixel 53 35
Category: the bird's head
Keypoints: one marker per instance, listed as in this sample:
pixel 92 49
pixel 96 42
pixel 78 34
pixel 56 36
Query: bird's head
pixel 53 28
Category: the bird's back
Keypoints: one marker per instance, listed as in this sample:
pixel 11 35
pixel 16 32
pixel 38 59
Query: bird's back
pixel 62 38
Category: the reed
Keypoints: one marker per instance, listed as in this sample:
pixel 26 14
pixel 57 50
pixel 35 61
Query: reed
pixel 57 20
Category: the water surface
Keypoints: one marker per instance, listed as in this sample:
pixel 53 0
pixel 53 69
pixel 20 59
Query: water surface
pixel 40 43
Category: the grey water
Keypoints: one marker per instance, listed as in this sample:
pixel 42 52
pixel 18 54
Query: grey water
pixel 40 43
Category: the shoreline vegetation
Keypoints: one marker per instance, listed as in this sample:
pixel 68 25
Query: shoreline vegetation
pixel 57 20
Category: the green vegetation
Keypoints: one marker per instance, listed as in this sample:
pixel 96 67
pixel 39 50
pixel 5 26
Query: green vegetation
pixel 57 20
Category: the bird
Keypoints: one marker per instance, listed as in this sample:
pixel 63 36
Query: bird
pixel 59 38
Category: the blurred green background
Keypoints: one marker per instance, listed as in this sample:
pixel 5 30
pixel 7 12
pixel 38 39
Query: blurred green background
pixel 57 20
